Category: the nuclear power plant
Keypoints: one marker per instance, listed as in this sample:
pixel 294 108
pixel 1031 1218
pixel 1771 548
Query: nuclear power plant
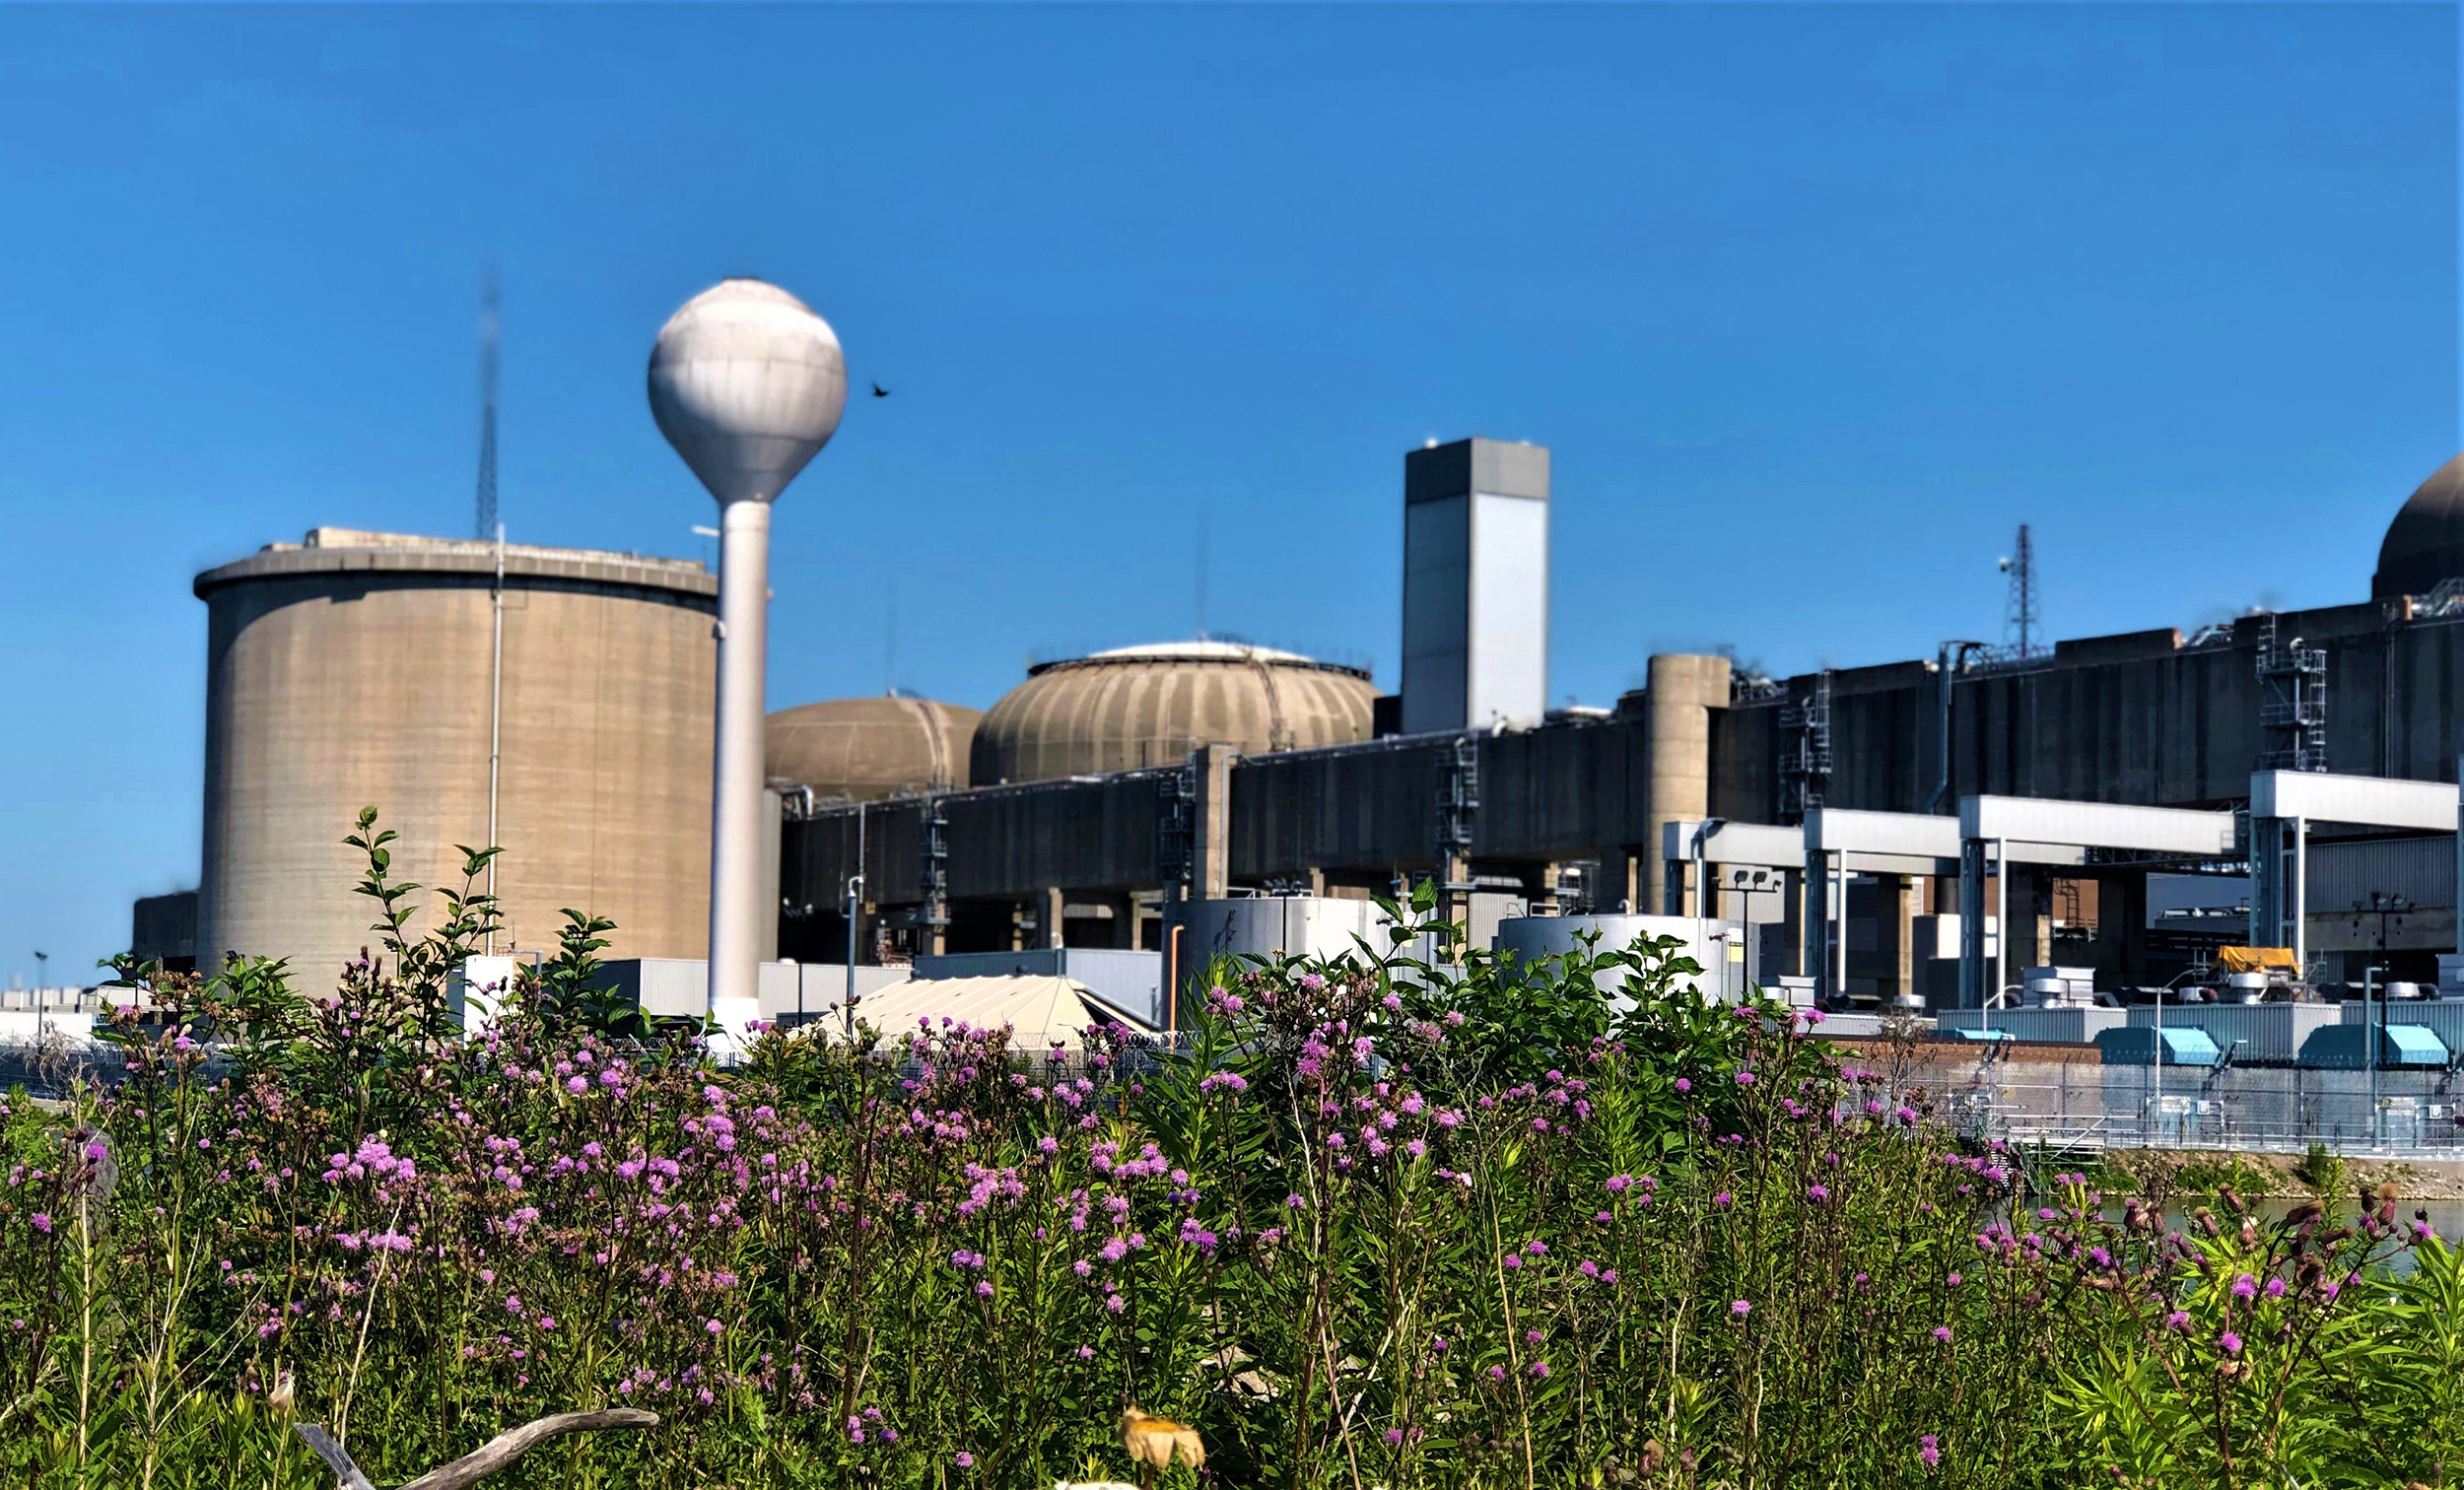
pixel 1822 815
pixel 1928 833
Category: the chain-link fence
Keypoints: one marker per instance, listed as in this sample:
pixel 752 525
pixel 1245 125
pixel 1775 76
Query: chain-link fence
pixel 51 1067
pixel 2084 1106
pixel 2080 1104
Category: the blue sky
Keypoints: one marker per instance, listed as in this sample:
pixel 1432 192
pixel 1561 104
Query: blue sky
pixel 1814 305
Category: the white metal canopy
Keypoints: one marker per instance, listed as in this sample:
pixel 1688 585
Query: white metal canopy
pixel 1759 845
pixel 2368 801
pixel 2003 825
pixel 2286 804
pixel 2096 825
pixel 1899 835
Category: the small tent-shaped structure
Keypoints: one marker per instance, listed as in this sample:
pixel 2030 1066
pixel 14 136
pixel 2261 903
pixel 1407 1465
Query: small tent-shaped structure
pixel 1041 1012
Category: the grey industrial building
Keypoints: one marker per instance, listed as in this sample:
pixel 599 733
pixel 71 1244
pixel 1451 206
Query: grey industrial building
pixel 1087 806
pixel 1103 818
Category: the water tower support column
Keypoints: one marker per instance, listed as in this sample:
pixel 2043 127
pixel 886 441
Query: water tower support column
pixel 736 887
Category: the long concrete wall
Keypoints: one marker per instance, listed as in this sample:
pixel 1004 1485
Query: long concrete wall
pixel 2137 718
pixel 2141 719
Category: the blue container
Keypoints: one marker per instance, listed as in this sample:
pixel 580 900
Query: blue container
pixel 2137 1044
pixel 2345 1047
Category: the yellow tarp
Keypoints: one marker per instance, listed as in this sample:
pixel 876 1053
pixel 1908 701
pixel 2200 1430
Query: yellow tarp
pixel 2257 960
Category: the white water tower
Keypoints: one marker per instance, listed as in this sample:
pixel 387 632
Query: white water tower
pixel 747 384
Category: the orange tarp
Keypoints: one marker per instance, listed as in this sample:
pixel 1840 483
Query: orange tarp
pixel 2257 960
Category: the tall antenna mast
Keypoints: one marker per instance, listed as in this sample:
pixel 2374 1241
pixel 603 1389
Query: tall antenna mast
pixel 2023 620
pixel 487 405
pixel 1201 573
pixel 889 642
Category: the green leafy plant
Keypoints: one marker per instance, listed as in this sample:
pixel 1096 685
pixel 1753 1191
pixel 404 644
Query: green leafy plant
pixel 570 991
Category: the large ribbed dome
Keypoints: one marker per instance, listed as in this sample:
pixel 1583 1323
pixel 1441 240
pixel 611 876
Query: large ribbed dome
pixel 866 748
pixel 2426 542
pixel 1150 705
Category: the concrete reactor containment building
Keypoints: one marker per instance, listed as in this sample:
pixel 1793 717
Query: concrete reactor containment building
pixel 1139 706
pixel 358 669
pixel 860 750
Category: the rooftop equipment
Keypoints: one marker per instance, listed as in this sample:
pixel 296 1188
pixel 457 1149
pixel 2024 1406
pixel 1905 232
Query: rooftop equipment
pixel 2138 1044
pixel 2345 1047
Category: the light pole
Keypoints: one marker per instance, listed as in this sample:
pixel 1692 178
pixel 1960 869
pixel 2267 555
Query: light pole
pixel 747 384
pixel 855 914
pixel 42 970
pixel 2387 908
pixel 1702 892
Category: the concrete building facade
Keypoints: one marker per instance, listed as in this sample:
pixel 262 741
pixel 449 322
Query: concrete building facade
pixel 1475 586
pixel 354 669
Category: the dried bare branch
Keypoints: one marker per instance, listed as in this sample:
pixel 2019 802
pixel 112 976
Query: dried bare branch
pixel 495 1454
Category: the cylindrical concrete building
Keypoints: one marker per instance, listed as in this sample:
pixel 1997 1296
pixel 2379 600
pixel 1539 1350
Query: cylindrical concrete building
pixel 1681 690
pixel 355 670
pixel 1137 707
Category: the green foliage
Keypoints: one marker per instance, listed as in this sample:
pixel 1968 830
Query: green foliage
pixel 2221 1173
pixel 2322 1172
pixel 2242 1353
pixel 1375 1220
pixel 422 964
pixel 568 991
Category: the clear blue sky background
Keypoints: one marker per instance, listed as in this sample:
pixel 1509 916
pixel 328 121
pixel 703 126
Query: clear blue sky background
pixel 1816 305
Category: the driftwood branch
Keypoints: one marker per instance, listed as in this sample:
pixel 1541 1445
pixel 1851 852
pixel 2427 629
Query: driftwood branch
pixel 495 1454
pixel 336 1457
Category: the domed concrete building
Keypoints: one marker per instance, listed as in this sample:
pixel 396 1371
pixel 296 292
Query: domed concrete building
pixel 2425 543
pixel 1139 706
pixel 865 749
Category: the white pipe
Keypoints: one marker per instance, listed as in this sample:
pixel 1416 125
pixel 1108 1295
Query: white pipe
pixel 1840 930
pixel 2373 1009
pixel 735 877
pixel 496 713
pixel 2298 913
pixel 2158 1107
pixel 2002 930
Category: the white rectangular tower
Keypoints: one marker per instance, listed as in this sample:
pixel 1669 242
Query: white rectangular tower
pixel 1475 585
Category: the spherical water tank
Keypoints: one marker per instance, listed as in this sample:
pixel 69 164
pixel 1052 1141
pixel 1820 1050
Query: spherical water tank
pixel 747 384
pixel 353 670
pixel 1152 706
